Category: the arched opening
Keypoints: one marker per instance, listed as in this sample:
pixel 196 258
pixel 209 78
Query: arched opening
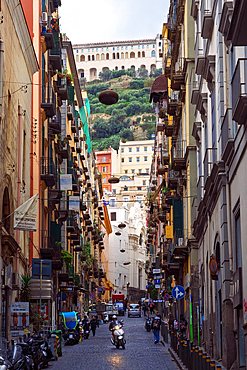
pixel 93 73
pixel 143 54
pixel 102 56
pixel 122 55
pixel 117 55
pixel 93 58
pixel 139 54
pixel 82 58
pixel 126 55
pixel 116 68
pixel 153 53
pixel 152 67
pixel 132 55
pixel 77 58
pixel 81 73
pixel 122 67
pixel 107 56
pixel 6 210
pixel 133 67
pixel 143 66
pixel 89 58
pixel 97 56
pixel 104 69
pixel 113 56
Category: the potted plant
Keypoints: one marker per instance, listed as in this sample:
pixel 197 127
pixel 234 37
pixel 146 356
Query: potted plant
pixel 66 257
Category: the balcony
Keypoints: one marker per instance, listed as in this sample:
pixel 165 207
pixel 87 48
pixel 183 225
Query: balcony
pixel 239 92
pixel 227 137
pixel 173 179
pixel 49 40
pixel 62 88
pixel 169 129
pixel 73 126
pixel 207 22
pixel 172 104
pixel 237 31
pixel 194 9
pixel 194 89
pixel 72 226
pixel 178 161
pixel 61 215
pixel 48 171
pixel 178 76
pixel 55 53
pixel 209 159
pixel 48 102
pixel 225 20
pixel 160 127
pixel 200 189
pixel 55 123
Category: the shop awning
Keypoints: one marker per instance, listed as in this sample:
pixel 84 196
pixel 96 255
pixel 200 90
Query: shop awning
pixel 158 88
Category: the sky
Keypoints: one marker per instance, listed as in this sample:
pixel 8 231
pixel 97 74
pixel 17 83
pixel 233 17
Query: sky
pixel 112 20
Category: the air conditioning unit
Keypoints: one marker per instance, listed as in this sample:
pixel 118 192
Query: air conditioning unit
pixel 44 18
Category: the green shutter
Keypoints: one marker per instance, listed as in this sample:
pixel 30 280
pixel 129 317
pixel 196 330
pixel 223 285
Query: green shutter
pixel 71 93
pixel 178 217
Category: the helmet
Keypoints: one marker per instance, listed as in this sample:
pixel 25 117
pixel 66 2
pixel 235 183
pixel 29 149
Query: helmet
pixel 114 316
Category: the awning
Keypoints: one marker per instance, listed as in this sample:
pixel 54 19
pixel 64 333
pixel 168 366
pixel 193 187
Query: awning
pixel 83 118
pixel 157 191
pixel 158 88
pixel 107 221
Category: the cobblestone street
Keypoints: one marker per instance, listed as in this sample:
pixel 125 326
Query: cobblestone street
pixel 98 353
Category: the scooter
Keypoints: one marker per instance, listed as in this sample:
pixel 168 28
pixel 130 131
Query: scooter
pixel 72 337
pixel 148 324
pixel 119 336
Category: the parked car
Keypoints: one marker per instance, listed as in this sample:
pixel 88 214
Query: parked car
pixel 134 310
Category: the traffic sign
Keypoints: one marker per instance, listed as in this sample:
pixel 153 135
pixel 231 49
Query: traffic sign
pixel 157 286
pixel 156 271
pixel 157 281
pixel 67 288
pixel 92 295
pixel 178 292
pixel 158 276
pixel 166 296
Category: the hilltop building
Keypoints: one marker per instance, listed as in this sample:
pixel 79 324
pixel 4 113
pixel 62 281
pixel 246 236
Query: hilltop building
pixel 93 58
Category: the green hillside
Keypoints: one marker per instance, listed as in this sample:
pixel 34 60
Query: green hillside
pixel 131 118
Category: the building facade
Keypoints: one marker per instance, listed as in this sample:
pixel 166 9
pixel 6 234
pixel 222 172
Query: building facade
pixel 93 58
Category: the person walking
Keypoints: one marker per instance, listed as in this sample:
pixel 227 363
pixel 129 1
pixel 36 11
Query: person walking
pixel 151 306
pixel 144 308
pixel 156 328
pixel 93 324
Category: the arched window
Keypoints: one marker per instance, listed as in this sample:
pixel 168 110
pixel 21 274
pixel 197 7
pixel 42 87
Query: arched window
pixel 126 55
pixel 122 55
pixel 77 58
pixel 117 55
pixel 104 180
pixel 132 54
pixel 97 56
pixel 122 67
pixel 139 54
pixel 81 73
pixel 82 58
pixel 113 56
pixel 89 58
pixel 153 53
pixel 125 188
pixel 143 54
pixel 102 56
pixel 133 67
pixel 140 239
pixel 92 57
pixel 93 73
pixel 116 68
pixel 143 66
pixel 107 56
pixel 104 69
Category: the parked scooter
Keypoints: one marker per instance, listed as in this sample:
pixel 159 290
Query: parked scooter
pixel 86 329
pixel 148 324
pixel 73 337
pixel 119 340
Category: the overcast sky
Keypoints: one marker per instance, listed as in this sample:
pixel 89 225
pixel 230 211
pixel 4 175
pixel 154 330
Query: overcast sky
pixel 112 20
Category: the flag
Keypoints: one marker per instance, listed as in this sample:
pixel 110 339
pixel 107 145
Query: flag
pixel 105 203
pixel 25 216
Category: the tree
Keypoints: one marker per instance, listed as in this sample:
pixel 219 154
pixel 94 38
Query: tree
pixel 142 72
pixel 106 75
pixel 127 134
pixel 100 128
pixel 156 72
pixel 25 291
pixel 148 82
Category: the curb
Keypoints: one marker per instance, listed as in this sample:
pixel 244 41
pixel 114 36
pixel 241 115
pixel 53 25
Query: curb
pixel 177 359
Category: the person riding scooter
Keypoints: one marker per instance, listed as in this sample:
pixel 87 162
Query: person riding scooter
pixel 113 324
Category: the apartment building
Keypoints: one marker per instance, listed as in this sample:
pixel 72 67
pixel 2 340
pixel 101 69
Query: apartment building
pixel 93 58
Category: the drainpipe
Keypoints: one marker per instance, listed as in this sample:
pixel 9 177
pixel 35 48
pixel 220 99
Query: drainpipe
pixel 1 104
pixel 19 164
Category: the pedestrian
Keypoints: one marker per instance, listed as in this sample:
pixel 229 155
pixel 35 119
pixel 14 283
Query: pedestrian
pixel 156 328
pixel 183 325
pixel 125 304
pixel 151 306
pixel 144 309
pixel 176 324
pixel 93 324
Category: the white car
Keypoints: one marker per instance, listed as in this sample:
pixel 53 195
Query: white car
pixel 134 310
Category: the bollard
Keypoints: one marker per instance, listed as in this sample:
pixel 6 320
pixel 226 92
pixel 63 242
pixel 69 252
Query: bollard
pixel 185 355
pixel 180 347
pixel 212 365
pixel 166 333
pixel 200 358
pixel 196 357
pixel 204 357
pixel 193 358
pixel 218 367
pixel 208 360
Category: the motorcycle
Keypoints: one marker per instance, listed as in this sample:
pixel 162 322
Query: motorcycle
pixel 148 324
pixel 73 337
pixel 118 332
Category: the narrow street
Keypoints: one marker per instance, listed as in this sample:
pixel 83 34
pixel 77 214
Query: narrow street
pixel 98 353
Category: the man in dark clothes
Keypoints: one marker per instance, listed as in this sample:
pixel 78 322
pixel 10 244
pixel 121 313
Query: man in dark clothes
pixel 93 324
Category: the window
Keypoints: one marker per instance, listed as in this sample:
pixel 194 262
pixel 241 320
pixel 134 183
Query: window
pixel 113 48
pixel 92 57
pixel 147 170
pixel 114 191
pixel 122 150
pixel 126 199
pixel 130 159
pixel 139 188
pixel 145 159
pixel 139 200
pixel 102 49
pixel 126 48
pixel 159 43
pixel 122 160
pixel 104 159
pixel 131 47
pixel 125 188
pixel 144 182
pixel 104 180
pixel 106 49
pixel 77 51
pixel 137 159
pixel 138 46
pixel 104 169
pixel 122 48
pixel 92 49
pixel 125 171
pixel 153 46
pixel 153 53
pixel 117 48
pixel 97 49
pixel 88 50
pixel 147 46
pixel 152 148
pixel 113 202
pixel 137 149
pixel 113 216
pixel 88 58
pixel 139 171
pixel 132 171
pixel 145 148
pixel 143 46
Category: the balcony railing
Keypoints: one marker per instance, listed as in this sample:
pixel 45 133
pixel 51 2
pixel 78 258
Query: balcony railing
pixel 207 20
pixel 239 92
pixel 55 53
pixel 200 189
pixel 209 159
pixel 48 102
pixel 48 171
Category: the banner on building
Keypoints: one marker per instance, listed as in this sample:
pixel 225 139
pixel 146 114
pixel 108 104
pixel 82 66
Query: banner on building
pixel 74 203
pixel 66 182
pixel 19 318
pixel 25 216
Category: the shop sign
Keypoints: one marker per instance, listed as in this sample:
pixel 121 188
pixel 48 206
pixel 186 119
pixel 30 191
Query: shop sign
pixel 19 318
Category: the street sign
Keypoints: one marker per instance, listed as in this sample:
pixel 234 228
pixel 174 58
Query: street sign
pixel 147 286
pixel 166 297
pixel 156 271
pixel 92 296
pixel 67 288
pixel 157 286
pixel 158 276
pixel 157 281
pixel 178 292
